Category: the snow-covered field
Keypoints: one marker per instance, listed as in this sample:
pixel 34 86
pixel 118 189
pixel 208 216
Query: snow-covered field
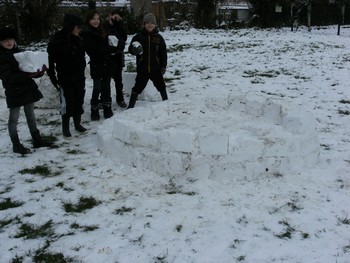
pixel 88 201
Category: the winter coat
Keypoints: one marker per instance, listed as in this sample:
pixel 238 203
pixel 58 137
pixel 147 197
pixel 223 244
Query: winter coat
pixel 117 58
pixel 66 57
pixel 99 51
pixel 19 88
pixel 154 56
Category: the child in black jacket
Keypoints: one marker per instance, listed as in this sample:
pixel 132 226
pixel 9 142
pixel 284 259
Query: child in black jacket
pixel 151 58
pixel 20 90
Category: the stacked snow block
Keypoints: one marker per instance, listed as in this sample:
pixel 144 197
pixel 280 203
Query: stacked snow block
pixel 220 137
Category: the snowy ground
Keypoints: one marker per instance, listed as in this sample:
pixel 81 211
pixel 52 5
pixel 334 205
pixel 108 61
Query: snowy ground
pixel 75 203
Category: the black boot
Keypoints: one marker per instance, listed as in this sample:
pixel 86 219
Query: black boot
pixel 95 114
pixel 18 147
pixel 133 99
pixel 38 141
pixel 107 111
pixel 120 97
pixel 122 104
pixel 65 126
pixel 164 95
pixel 77 125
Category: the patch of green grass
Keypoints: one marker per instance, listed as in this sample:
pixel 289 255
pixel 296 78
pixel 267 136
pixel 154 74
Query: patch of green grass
pixel 29 231
pixel 61 185
pixel 74 152
pixel 8 203
pixel 42 255
pixel 130 67
pixel 242 220
pixel 179 228
pixel 83 204
pixel 241 258
pixel 178 48
pixel 177 72
pixel 28 214
pixel 346 249
pixel 343 112
pixel 345 220
pixel 42 170
pixel 325 147
pixel 123 210
pixel 6 190
pixel 17 259
pixel 287 233
pixel 345 101
pixel 84 228
pixel 5 222
pixel 293 206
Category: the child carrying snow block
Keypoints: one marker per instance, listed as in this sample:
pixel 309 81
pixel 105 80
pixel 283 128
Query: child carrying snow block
pixel 20 90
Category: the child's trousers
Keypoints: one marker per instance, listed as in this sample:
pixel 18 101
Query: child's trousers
pixel 14 116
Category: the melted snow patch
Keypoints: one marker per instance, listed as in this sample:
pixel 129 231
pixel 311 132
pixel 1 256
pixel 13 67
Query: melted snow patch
pixel 257 136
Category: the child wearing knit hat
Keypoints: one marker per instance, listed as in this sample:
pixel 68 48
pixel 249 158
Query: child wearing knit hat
pixel 151 59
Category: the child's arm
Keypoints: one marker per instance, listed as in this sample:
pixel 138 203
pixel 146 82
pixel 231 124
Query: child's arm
pixel 163 54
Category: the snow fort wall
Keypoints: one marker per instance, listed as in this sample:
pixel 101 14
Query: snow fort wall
pixel 218 137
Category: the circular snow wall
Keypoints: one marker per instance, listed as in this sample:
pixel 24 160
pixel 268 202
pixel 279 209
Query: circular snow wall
pixel 213 137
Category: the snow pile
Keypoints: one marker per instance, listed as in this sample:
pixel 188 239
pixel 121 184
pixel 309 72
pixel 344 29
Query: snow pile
pixel 31 61
pixel 253 137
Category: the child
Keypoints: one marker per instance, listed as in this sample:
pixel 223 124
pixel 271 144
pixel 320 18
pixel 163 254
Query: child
pixel 115 26
pixel 99 51
pixel 67 71
pixel 20 90
pixel 151 59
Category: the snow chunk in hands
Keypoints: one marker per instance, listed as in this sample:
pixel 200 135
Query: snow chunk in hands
pixel 137 48
pixel 31 61
pixel 113 41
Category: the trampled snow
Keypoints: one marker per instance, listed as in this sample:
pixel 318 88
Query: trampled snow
pixel 236 98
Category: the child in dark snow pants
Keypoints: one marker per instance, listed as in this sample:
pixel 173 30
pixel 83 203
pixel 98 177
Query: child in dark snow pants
pixel 151 58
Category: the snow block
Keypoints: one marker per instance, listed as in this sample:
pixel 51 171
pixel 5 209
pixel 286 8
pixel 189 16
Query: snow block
pixel 213 143
pixel 298 122
pixel 257 137
pixel 31 61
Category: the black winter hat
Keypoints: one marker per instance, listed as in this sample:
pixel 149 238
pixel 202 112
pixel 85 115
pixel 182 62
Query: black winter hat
pixel 71 20
pixel 6 33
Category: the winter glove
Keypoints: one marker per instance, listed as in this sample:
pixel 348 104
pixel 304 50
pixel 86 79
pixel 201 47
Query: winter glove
pixel 116 19
pixel 35 75
pixel 163 70
pixel 137 48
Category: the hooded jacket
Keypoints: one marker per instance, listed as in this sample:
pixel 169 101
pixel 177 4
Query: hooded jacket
pixel 66 57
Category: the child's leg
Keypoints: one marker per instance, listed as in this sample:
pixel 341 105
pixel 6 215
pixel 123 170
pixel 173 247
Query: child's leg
pixel 12 127
pixel 140 85
pixel 95 115
pixel 13 121
pixel 158 82
pixel 30 116
pixel 106 97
